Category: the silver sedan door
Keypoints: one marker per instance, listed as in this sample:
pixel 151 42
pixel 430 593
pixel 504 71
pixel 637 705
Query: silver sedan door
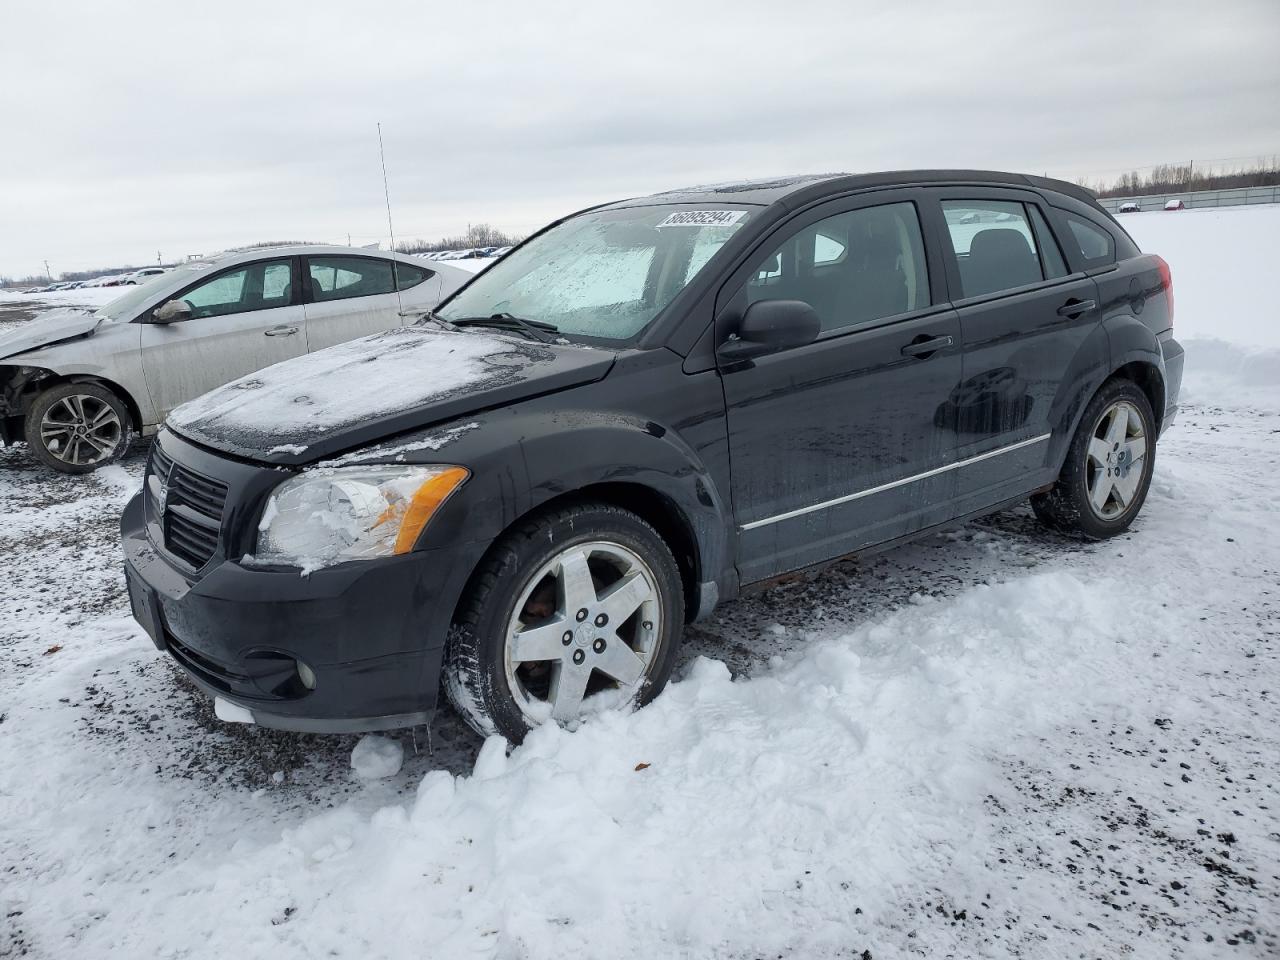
pixel 242 319
pixel 348 296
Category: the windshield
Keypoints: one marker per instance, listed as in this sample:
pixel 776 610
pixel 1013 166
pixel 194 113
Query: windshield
pixel 124 307
pixel 602 274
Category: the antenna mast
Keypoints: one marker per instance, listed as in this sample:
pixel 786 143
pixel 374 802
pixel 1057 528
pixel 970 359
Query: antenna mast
pixel 386 191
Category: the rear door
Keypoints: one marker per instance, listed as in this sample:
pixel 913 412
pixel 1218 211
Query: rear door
pixel 835 445
pixel 243 318
pixel 348 297
pixel 1024 317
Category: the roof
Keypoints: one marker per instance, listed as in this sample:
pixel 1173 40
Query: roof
pixel 300 249
pixel 803 188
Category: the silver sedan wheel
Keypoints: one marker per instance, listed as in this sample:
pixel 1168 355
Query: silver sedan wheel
pixel 81 430
pixel 1117 457
pixel 587 625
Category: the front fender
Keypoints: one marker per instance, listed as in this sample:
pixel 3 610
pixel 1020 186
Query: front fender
pixel 523 457
pixel 579 449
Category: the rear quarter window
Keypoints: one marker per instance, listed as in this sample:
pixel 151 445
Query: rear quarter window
pixel 1095 246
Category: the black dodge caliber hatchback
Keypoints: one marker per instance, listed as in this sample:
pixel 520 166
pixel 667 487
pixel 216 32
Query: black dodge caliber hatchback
pixel 643 410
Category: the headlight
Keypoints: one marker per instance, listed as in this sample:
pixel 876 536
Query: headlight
pixel 328 516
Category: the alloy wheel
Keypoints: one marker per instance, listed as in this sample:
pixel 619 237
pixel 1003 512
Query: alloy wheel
pixel 1117 456
pixel 81 430
pixel 586 626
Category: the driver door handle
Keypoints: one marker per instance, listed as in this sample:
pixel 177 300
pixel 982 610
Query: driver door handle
pixel 282 331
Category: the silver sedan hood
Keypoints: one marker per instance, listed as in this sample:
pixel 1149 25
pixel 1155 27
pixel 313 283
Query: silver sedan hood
pixel 52 327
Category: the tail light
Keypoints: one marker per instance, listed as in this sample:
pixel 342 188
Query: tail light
pixel 1166 281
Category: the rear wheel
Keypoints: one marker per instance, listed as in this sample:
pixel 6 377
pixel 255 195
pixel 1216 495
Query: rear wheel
pixel 78 427
pixel 1107 473
pixel 575 612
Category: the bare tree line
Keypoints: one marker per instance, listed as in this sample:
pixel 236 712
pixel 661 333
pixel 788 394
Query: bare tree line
pixel 1186 177
pixel 477 235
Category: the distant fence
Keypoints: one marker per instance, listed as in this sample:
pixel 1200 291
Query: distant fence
pixel 1236 197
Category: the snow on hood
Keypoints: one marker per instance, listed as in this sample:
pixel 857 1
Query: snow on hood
pixel 49 328
pixel 365 390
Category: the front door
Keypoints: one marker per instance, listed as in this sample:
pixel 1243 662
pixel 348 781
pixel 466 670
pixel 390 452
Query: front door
pixel 242 319
pixel 349 297
pixel 1024 317
pixel 837 445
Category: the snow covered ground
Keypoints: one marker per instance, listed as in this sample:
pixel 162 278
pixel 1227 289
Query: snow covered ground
pixel 991 743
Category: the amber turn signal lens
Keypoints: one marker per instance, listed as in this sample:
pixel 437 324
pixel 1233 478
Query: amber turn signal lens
pixel 424 504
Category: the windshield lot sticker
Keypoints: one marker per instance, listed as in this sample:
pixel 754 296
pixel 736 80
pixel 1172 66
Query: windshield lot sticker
pixel 703 218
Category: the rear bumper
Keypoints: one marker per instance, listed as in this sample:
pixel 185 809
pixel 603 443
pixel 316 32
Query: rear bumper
pixel 1174 357
pixel 371 632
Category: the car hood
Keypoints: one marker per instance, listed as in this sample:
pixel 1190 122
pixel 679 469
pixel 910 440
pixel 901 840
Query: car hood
pixel 314 406
pixel 48 328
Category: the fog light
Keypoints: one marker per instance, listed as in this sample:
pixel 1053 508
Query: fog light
pixel 306 675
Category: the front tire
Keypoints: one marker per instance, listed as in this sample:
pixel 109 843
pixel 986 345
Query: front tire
pixel 577 610
pixel 78 427
pixel 1107 472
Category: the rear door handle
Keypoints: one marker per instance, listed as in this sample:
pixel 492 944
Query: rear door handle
pixel 1073 307
pixel 923 348
pixel 280 332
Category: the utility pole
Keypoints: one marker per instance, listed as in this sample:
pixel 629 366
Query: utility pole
pixel 1191 175
pixel 46 270
pixel 348 239
pixel 159 259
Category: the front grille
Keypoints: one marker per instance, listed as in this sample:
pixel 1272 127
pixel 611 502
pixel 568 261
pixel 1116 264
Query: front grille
pixel 192 515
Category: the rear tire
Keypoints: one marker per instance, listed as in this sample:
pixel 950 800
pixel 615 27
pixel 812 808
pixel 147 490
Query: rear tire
pixel 522 651
pixel 78 427
pixel 1107 472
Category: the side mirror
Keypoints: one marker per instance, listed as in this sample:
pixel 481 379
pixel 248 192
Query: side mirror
pixel 171 312
pixel 769 326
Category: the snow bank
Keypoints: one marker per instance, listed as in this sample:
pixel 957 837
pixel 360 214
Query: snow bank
pixel 1223 262
pixel 85 296
pixel 1228 375
pixel 847 766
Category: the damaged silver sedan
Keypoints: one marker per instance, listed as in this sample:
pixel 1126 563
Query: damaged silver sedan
pixel 77 384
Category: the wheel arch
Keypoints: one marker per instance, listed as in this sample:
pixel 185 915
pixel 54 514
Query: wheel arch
pixel 1150 379
pixel 135 413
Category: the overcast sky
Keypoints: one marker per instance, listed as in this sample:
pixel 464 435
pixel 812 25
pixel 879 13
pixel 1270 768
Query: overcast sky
pixel 127 129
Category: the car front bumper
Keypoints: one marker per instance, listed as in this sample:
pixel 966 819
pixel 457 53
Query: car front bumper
pixel 371 632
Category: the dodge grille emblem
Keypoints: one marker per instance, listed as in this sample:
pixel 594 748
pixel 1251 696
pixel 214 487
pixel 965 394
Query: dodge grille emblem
pixel 162 497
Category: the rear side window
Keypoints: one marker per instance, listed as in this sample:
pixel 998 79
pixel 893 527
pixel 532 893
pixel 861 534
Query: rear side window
pixel 341 278
pixel 851 268
pixel 409 276
pixel 1096 245
pixel 994 245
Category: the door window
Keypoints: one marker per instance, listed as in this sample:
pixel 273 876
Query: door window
pixel 255 286
pixel 993 244
pixel 340 278
pixel 854 267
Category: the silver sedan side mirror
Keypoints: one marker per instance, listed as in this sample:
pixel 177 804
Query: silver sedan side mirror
pixel 171 312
